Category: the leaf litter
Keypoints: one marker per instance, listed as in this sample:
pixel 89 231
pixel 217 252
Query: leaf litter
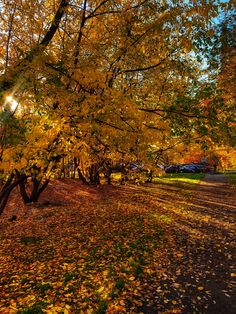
pixel 144 249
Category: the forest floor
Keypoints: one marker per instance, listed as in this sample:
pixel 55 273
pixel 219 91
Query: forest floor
pixel 166 247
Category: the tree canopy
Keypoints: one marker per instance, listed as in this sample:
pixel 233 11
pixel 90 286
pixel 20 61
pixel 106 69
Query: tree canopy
pixel 106 79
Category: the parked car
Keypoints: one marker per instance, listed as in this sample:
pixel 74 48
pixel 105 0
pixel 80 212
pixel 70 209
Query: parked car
pixel 172 169
pixel 188 168
pixel 203 167
pixel 136 166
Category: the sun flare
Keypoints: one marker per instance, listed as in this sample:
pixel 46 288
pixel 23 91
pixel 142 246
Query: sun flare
pixel 13 103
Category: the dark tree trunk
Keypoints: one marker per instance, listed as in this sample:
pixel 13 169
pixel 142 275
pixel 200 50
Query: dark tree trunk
pixel 108 176
pixel 124 175
pixel 75 165
pixel 4 199
pixel 37 189
pixel 150 176
pixel 81 176
pixel 35 192
pixel 63 168
pixel 7 184
pixel 94 174
pixel 7 188
pixel 23 192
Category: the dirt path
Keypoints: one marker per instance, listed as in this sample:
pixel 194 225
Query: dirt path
pixel 199 274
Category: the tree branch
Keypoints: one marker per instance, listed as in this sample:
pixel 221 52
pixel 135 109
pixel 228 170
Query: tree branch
pixel 69 76
pixel 80 34
pixel 143 69
pixel 55 23
pixel 8 83
pixel 12 15
pixel 157 110
pixel 109 124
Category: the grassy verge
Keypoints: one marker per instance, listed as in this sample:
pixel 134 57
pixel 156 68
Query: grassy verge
pixel 193 178
pixel 232 178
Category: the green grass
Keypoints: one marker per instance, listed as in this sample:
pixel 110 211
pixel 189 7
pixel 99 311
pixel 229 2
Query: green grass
pixel 36 308
pixel 30 240
pixel 193 178
pixel 232 178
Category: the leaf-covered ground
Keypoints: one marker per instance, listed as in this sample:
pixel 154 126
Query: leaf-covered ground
pixel 160 248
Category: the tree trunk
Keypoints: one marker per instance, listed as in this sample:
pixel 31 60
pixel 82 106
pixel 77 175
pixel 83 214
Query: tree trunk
pixel 108 175
pixel 7 184
pixel 37 189
pixel 124 175
pixel 7 188
pixel 35 192
pixel 63 168
pixel 4 199
pixel 23 192
pixel 75 165
pixel 94 174
pixel 81 176
pixel 150 176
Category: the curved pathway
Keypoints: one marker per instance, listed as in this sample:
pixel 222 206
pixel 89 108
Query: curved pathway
pixel 198 275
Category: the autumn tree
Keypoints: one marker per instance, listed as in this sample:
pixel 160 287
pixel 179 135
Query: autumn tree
pixel 227 75
pixel 104 80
